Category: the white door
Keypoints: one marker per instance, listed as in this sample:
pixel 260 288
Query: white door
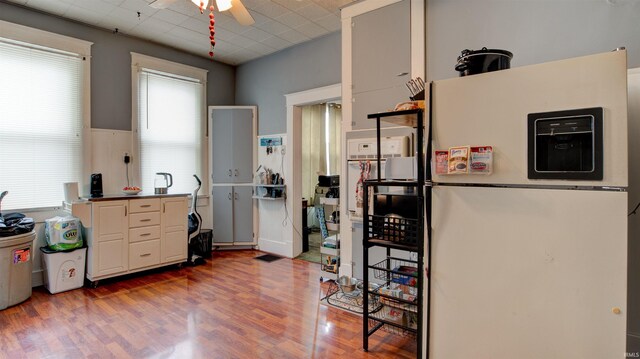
pixel 174 238
pixel 528 273
pixel 110 248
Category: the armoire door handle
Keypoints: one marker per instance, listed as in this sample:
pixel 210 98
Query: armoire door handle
pixel 229 196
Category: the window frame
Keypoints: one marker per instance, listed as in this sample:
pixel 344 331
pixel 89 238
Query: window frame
pixel 140 61
pixel 50 40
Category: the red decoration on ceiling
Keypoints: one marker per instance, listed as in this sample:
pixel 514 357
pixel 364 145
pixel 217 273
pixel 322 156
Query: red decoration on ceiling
pixel 201 7
pixel 212 32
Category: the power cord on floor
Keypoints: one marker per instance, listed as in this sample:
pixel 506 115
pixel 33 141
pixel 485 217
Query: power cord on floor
pixel 287 217
pixel 634 210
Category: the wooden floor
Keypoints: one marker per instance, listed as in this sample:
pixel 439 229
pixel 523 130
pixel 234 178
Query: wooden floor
pixel 232 307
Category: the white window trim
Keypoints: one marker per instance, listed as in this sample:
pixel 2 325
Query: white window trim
pixel 140 61
pixel 9 30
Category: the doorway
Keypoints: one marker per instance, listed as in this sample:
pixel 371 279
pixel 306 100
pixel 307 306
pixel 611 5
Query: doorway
pixel 320 156
pixel 291 243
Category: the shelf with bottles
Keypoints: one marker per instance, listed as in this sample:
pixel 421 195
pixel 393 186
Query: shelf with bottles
pixel 271 192
pixel 330 255
pixel 329 266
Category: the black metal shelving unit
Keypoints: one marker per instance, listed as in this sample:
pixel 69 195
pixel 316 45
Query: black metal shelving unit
pixel 399 291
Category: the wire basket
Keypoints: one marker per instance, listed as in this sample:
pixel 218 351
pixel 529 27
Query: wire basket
pixel 401 271
pixel 405 323
pixel 395 229
pixel 408 294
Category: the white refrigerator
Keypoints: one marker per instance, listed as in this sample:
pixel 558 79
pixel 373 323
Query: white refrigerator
pixel 520 267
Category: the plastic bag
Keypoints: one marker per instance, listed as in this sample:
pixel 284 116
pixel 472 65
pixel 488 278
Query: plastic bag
pixel 63 233
pixel 13 224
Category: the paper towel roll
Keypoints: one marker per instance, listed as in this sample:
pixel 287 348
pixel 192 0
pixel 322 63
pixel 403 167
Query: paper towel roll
pixel 71 192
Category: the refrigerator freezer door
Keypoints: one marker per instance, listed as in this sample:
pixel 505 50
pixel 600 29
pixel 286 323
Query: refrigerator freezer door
pixel 491 110
pixel 528 273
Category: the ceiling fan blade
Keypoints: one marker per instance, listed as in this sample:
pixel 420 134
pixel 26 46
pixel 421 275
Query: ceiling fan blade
pixel 161 4
pixel 241 13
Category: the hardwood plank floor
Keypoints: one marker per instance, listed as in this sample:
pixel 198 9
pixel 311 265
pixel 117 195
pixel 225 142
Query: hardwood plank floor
pixel 234 306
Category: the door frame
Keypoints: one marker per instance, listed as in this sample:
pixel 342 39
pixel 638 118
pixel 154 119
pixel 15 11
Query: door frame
pixel 293 230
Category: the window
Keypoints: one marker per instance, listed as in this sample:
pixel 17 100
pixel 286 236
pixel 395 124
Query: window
pixel 44 119
pixel 169 121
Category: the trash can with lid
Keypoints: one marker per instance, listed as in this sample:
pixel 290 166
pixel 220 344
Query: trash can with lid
pixel 15 268
pixel 63 270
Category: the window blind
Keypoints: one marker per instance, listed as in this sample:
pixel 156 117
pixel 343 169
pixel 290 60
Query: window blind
pixel 169 129
pixel 41 122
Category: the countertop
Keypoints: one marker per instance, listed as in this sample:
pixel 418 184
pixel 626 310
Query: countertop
pixel 116 197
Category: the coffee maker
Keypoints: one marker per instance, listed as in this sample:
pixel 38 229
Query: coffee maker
pixel 96 185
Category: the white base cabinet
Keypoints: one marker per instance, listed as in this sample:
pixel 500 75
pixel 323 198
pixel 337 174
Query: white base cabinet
pixel 126 236
pixel 108 240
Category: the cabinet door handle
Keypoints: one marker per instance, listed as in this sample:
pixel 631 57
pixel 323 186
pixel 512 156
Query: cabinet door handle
pixel 236 172
pixel 145 234
pixel 229 196
pixel 164 207
pixel 229 172
pixel 145 220
pixel 145 255
pixel 235 195
pixel 145 206
pixel 125 211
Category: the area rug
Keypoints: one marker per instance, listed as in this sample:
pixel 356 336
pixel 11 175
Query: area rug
pixel 268 257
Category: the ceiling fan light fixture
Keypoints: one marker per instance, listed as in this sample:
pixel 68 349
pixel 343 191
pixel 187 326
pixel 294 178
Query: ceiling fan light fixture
pixel 223 5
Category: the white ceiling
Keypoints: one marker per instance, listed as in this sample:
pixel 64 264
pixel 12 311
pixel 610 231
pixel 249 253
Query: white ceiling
pixel 279 23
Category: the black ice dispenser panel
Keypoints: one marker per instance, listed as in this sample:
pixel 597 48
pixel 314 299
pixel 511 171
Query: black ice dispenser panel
pixel 566 144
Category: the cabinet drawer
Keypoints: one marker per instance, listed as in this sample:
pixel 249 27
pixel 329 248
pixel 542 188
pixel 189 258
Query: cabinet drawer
pixel 144 205
pixel 144 234
pixel 144 254
pixel 144 219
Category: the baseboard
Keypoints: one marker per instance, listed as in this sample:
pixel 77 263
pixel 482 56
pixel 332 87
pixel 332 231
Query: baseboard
pixel 633 345
pixel 37 278
pixel 275 247
pixel 346 269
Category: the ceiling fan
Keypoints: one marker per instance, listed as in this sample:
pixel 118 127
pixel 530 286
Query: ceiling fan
pixel 235 7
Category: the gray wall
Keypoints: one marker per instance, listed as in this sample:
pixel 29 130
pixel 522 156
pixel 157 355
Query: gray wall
pixel 265 81
pixel 534 30
pixel 111 65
